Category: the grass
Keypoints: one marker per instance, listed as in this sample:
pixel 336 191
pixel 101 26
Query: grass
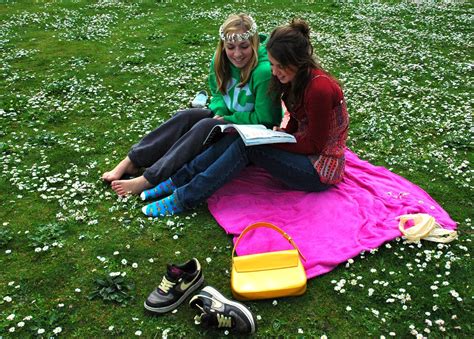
pixel 81 82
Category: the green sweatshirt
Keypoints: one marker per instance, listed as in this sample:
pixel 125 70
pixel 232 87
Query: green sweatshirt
pixel 251 103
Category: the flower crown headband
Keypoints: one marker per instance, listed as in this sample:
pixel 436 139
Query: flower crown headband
pixel 234 37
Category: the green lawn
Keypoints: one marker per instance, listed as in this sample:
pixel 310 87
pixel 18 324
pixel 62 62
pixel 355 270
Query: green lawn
pixel 81 82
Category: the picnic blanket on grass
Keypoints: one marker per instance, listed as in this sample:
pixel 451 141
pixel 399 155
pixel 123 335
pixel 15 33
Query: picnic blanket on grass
pixel 330 227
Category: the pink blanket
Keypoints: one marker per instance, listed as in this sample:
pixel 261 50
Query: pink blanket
pixel 330 227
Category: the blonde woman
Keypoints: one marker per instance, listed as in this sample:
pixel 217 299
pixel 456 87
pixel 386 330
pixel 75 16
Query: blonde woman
pixel 239 77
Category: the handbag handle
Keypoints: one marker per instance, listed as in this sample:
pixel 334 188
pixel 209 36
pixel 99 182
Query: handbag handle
pixel 271 226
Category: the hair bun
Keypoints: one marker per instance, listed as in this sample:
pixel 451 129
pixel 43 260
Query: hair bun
pixel 301 26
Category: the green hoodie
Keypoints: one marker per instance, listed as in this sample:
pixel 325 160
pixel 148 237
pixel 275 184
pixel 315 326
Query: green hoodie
pixel 251 103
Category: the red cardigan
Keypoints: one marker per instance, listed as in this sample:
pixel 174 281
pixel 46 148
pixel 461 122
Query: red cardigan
pixel 320 125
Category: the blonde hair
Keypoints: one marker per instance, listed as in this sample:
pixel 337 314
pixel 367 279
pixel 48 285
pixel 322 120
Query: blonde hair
pixel 234 23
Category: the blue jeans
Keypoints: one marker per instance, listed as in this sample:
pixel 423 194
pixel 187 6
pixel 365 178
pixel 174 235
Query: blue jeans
pixel 223 161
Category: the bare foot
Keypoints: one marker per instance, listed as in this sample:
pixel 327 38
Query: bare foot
pixel 125 166
pixel 133 186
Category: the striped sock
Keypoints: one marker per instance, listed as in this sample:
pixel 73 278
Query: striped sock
pixel 165 188
pixel 164 207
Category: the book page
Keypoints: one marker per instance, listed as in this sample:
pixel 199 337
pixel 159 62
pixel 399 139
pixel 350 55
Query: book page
pixel 254 132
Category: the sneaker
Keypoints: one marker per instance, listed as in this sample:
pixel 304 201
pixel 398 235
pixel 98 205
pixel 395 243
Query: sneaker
pixel 218 311
pixel 199 100
pixel 177 284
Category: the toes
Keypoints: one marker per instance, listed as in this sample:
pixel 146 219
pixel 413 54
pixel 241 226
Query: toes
pixel 118 188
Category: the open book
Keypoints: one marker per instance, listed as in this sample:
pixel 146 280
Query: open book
pixel 251 134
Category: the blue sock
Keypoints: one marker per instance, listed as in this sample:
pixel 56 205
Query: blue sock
pixel 164 207
pixel 165 188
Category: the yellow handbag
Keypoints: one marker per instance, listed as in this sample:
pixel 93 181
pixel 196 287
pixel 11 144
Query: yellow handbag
pixel 267 275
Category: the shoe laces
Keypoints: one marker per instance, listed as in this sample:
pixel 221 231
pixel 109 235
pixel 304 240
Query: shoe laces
pixel 205 319
pixel 165 285
pixel 223 321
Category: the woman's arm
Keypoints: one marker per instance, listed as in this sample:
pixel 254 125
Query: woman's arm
pixel 319 103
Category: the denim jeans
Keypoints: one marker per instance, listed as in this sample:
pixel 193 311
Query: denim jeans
pixel 223 161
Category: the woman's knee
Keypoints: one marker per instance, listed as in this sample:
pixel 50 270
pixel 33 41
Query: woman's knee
pixel 207 123
pixel 228 140
pixel 240 144
pixel 192 115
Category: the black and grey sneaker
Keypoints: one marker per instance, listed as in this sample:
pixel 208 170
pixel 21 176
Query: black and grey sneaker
pixel 178 283
pixel 217 311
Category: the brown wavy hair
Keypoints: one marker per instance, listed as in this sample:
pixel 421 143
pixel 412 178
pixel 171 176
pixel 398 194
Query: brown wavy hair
pixel 234 23
pixel 291 46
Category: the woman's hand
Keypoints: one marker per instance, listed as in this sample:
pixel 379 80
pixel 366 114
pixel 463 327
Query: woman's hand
pixel 276 128
pixel 218 117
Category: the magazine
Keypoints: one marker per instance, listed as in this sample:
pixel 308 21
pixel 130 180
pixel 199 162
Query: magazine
pixel 250 134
